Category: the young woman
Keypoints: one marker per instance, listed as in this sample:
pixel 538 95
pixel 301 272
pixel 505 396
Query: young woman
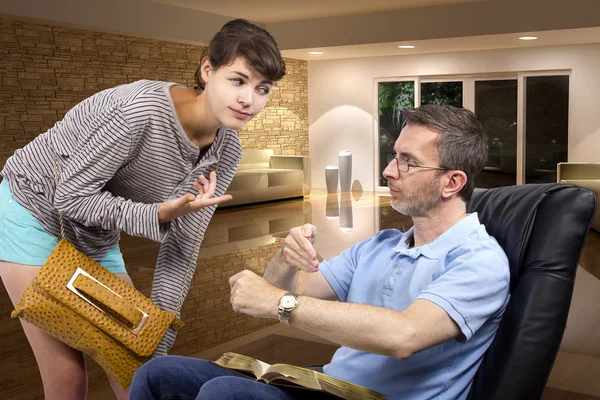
pixel 134 158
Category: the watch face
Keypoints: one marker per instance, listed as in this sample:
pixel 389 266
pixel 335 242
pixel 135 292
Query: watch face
pixel 288 301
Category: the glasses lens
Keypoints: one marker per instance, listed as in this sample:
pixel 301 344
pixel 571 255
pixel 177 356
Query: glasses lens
pixel 402 165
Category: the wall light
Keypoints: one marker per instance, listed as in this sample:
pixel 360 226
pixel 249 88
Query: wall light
pixel 316 52
pixel 528 38
pixel 406 46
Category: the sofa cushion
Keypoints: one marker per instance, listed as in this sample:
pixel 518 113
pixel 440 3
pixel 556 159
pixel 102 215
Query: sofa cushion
pixel 281 177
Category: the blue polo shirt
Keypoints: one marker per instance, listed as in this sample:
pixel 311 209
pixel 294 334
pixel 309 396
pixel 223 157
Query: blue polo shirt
pixel 464 271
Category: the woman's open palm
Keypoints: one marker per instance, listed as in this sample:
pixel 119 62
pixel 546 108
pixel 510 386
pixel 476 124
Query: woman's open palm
pixel 189 203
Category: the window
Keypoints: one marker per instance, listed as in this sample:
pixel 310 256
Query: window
pixel 442 93
pixel 496 109
pixel 526 118
pixel 393 98
pixel 546 126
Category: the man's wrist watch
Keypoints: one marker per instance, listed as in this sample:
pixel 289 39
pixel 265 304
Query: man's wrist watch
pixel 287 304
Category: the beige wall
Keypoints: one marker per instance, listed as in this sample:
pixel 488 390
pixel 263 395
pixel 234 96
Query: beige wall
pixel 343 107
pixel 46 69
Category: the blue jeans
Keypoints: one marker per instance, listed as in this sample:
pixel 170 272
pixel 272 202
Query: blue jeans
pixel 183 378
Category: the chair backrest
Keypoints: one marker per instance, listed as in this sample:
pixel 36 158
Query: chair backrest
pixel 542 228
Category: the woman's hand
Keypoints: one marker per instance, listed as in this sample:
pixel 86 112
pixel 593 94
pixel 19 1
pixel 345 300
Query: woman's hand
pixel 189 203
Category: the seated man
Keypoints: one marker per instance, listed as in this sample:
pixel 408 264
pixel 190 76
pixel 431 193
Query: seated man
pixel 414 312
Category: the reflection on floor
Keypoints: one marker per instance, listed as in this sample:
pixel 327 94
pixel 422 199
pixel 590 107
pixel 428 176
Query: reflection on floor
pixel 342 220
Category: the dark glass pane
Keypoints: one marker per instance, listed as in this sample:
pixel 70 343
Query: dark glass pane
pixel 496 109
pixel 443 93
pixel 393 97
pixel 546 126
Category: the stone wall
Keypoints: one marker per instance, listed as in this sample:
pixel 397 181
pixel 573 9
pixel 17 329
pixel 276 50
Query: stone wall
pixel 47 69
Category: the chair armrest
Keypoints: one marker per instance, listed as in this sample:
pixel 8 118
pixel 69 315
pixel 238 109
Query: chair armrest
pixel 294 162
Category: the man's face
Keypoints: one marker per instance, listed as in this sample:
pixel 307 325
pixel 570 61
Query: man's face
pixel 417 192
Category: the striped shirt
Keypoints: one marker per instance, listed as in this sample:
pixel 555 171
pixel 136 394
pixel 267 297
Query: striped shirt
pixel 121 153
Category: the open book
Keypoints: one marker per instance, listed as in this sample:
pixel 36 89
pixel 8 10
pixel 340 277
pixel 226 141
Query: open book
pixel 291 375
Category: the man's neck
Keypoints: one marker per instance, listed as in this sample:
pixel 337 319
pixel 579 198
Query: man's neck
pixel 430 227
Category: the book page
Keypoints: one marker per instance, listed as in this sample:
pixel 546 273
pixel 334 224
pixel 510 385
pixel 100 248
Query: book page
pixel 291 373
pixel 263 366
pixel 243 363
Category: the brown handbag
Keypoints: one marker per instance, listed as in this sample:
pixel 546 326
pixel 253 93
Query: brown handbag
pixel 81 303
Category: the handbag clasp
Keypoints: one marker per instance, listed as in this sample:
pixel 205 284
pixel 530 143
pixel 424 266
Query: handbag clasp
pixel 72 288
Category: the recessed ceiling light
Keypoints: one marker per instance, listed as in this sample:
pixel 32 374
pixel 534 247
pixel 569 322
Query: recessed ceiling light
pixel 406 46
pixel 316 52
pixel 528 38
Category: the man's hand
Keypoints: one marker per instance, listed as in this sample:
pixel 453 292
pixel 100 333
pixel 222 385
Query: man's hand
pixel 254 296
pixel 298 251
pixel 189 203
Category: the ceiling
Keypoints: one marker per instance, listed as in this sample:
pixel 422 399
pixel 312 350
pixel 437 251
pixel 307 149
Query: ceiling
pixel 374 28
pixel 292 10
pixel 469 43
pixel 339 28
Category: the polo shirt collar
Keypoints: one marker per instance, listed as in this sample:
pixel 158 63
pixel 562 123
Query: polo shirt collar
pixel 453 236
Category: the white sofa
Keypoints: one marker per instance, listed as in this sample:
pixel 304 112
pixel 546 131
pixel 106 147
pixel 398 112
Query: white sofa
pixel 263 176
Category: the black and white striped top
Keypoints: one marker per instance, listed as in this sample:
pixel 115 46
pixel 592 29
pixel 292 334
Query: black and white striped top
pixel 121 153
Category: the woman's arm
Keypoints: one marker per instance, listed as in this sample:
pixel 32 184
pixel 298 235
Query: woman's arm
pixel 80 194
pixel 178 254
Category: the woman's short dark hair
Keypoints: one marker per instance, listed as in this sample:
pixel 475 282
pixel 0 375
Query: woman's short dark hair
pixel 462 144
pixel 241 38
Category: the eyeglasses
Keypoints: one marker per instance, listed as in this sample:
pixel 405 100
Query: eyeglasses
pixel 404 166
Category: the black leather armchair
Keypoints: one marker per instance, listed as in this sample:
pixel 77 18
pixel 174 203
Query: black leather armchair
pixel 542 228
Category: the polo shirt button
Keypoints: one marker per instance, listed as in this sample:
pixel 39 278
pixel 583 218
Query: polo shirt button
pixel 10 202
pixel 396 270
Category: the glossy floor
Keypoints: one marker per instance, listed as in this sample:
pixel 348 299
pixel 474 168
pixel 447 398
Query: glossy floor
pixel 342 220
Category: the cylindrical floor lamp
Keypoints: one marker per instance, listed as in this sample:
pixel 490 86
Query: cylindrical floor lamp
pixel 331 178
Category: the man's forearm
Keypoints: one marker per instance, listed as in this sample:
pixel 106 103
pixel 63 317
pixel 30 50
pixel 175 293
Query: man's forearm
pixel 281 275
pixel 362 327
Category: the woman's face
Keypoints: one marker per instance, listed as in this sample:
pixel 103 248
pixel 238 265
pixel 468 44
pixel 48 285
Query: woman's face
pixel 235 92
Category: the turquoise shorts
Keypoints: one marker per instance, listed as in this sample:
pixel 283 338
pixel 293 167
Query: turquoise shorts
pixel 23 240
